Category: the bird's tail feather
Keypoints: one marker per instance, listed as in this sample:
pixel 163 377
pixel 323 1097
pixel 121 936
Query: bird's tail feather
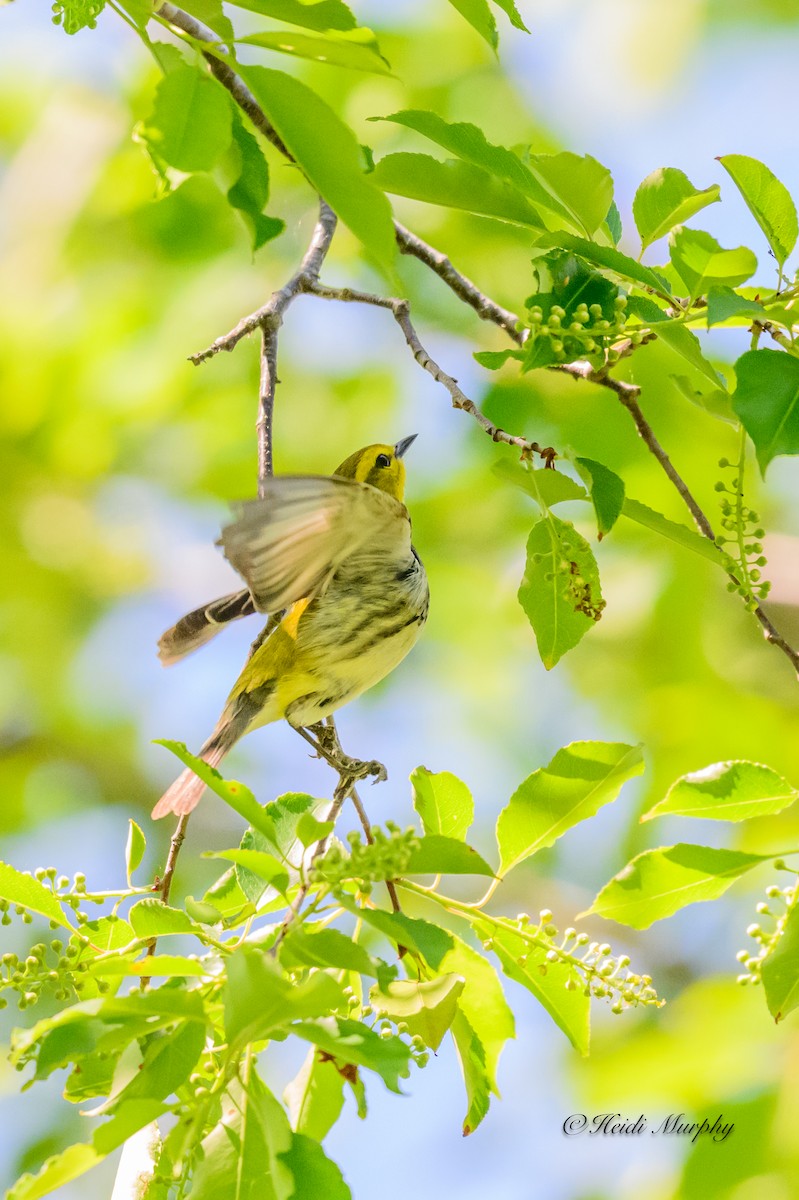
pixel 200 625
pixel 185 793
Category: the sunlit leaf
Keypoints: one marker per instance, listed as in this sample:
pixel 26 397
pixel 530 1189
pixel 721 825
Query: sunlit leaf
pixel 329 154
pixel 480 17
pixel 134 850
pixel 191 125
pixel 659 882
pixel 315 1097
pixel 527 965
pixel 356 48
pixel 667 198
pixel 780 969
pixel 579 780
pixel 767 199
pixel 310 14
pixel 426 1006
pixel 700 261
pixel 723 304
pixel 443 802
pixel 727 791
pixel 439 855
pixel 19 888
pixel 454 184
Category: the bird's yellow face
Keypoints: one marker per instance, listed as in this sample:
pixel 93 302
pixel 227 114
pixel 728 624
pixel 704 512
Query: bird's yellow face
pixel 380 466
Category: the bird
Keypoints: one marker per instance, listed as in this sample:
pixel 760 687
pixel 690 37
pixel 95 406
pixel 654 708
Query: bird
pixel 334 555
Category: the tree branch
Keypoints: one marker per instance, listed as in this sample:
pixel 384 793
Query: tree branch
pixel 401 311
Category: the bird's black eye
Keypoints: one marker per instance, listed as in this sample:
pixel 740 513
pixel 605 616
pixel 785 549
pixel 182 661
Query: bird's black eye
pixel 382 460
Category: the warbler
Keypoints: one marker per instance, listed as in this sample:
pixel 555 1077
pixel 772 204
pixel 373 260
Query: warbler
pixel 335 553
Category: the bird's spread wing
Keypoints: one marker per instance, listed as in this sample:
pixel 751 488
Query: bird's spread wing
pixel 288 544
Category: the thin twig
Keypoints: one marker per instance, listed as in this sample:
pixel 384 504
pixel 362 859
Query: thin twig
pixel 164 884
pixel 483 305
pixel 401 311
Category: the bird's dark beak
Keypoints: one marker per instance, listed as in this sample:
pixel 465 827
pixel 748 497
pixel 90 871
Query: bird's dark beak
pixel 403 444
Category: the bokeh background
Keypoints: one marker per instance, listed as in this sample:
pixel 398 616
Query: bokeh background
pixel 118 459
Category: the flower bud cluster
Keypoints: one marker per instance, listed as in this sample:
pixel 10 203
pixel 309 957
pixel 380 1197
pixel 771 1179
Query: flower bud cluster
pixel 386 857
pixel 593 966
pixel 579 331
pixel 45 969
pixel 75 15
pixel 776 908
pixel 743 539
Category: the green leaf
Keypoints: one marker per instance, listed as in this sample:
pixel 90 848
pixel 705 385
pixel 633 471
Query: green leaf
pixel 484 1009
pixel 472 1058
pixel 19 888
pixel 688 538
pixel 560 590
pixel 527 965
pixel 356 49
pixel 767 199
pixel 240 798
pixel 608 258
pixel 613 222
pixel 57 1171
pixel 134 850
pixel 438 855
pixel 308 947
pixel 780 969
pixel 443 802
pixel 469 143
pixel 282 817
pixel 667 198
pixel 767 402
pixel 578 182
pixel 250 192
pixel 579 780
pixel 420 937
pixel 659 882
pixel 139 11
pixel 723 304
pixel 607 492
pixel 509 7
pixel 311 14
pixel 242 1156
pixel 546 487
pixel 454 184
pixel 315 1175
pixel 152 918
pixel 310 831
pixel 330 156
pixel 352 1042
pixel 165 966
pixel 492 360
pixel 315 1097
pixel 258 997
pixel 679 338
pixel 168 1061
pixel 427 1007
pixel 191 125
pixel 258 862
pixel 699 260
pixel 727 791
pixel 480 17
